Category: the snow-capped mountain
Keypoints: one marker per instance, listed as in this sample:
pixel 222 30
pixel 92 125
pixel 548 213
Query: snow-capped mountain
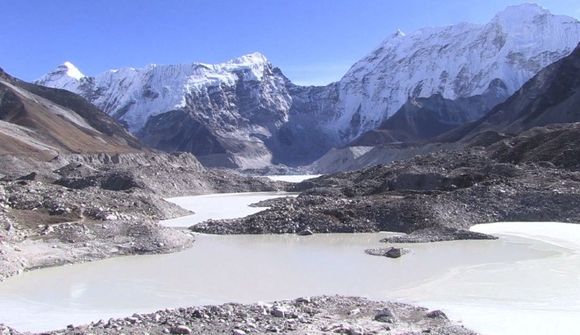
pixel 133 95
pixel 224 113
pixel 454 61
pixel 246 113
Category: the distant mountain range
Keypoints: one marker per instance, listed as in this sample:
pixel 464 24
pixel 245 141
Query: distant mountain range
pixel 245 113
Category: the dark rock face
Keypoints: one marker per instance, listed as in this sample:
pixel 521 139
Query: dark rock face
pixel 552 96
pixel 251 124
pixel 421 119
pixel 179 131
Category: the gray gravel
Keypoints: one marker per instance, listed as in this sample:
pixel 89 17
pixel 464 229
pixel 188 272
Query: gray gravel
pixel 83 208
pixel 319 315
pixel 431 198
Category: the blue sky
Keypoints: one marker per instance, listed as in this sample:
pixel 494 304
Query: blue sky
pixel 312 41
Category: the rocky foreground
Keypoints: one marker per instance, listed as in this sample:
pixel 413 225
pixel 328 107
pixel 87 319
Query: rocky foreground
pixel 320 315
pixel 80 208
pixel 435 197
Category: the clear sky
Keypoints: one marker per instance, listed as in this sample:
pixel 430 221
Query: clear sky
pixel 312 41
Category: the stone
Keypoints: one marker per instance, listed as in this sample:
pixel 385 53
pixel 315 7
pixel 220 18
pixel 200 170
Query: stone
pixel 30 176
pixel 391 252
pixel 305 232
pixel 437 314
pixel 304 300
pixel 278 312
pixel 394 252
pixel 355 331
pixel 181 329
pixel 385 315
pixel 131 320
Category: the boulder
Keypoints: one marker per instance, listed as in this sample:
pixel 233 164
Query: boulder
pixel 391 252
pixel 180 329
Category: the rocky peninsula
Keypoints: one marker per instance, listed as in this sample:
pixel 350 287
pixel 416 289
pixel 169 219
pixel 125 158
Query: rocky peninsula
pixel 318 315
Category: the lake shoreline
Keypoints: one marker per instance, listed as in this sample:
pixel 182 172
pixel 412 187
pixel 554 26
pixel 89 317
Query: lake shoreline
pixel 123 322
pixel 243 247
pixel 337 314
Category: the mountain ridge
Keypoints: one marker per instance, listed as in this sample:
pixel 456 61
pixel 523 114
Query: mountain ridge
pixel 549 97
pixel 252 116
pixel 455 61
pixel 44 122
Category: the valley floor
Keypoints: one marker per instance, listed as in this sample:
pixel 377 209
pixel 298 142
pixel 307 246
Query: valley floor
pixel 446 288
pixel 90 213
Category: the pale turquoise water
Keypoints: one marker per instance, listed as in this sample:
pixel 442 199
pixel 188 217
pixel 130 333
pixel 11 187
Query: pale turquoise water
pixel 222 269
pixel 514 285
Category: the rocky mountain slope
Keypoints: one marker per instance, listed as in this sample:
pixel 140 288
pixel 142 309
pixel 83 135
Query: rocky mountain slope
pixel 433 197
pixel 45 122
pixel 421 119
pixel 455 61
pixel 76 186
pixel 552 145
pixel 245 113
pixel 552 96
pixel 235 114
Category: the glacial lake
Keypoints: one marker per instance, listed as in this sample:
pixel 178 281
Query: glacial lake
pixel 527 282
pixel 227 205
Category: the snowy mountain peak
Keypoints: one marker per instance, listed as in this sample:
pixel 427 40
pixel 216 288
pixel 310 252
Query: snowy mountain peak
pixel 242 104
pixel 135 94
pixel 66 76
pixel 454 61
pixel 249 59
pixel 252 65
pixel 399 33
pixel 66 69
pixel 521 12
pixel 72 71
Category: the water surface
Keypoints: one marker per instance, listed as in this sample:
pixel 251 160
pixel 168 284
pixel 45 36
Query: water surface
pixel 222 269
pixel 293 178
pixel 220 206
pixel 527 282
